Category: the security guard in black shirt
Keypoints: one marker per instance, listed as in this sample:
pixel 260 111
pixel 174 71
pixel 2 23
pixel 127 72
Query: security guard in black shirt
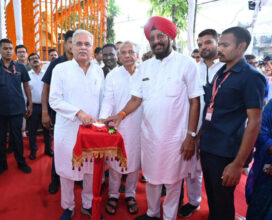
pixel 12 103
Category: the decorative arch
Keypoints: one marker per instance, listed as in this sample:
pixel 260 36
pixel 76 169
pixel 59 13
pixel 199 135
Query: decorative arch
pixel 46 21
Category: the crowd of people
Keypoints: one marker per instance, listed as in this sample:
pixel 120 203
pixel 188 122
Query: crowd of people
pixel 182 120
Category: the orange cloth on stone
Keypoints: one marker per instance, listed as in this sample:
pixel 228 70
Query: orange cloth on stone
pixel 164 25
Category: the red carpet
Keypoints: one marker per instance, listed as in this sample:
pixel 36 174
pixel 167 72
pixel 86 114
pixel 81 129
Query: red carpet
pixel 26 197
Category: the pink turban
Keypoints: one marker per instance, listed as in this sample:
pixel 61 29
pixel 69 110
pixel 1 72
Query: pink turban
pixel 164 25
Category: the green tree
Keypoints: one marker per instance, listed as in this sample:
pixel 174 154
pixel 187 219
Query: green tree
pixel 113 11
pixel 177 10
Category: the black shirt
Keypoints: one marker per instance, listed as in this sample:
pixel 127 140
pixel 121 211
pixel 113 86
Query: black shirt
pixel 48 74
pixel 47 79
pixel 242 90
pixel 12 101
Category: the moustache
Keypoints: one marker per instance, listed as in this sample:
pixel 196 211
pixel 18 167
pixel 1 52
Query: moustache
pixel 155 45
pixel 83 52
pixel 220 54
pixel 205 50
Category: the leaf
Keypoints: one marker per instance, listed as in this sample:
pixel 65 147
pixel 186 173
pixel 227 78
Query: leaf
pixel 112 130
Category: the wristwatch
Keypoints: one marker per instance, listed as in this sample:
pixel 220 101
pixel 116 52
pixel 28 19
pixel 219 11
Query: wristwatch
pixel 192 133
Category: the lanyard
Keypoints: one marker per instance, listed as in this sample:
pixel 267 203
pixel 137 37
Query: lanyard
pixel 215 89
pixel 7 70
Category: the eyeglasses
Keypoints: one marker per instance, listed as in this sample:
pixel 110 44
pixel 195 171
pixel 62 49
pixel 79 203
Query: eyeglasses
pixel 80 44
pixel 130 53
pixel 34 58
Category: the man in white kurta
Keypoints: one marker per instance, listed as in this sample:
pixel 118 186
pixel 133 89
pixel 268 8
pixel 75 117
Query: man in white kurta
pixel 208 66
pixel 118 85
pixel 168 88
pixel 75 94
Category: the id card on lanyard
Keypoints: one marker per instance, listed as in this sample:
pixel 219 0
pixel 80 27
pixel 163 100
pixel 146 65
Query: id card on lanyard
pixel 215 89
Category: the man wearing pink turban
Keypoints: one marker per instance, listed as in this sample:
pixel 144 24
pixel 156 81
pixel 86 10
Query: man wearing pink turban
pixel 168 88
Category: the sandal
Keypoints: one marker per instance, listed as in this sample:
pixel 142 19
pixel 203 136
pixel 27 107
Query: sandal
pixel 132 205
pixel 112 205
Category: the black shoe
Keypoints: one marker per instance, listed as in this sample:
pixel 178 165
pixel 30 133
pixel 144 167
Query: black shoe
pixel 67 214
pixel 32 156
pixel 146 217
pixel 187 210
pixel 122 188
pixel 50 153
pixel 86 211
pixel 53 187
pixel 25 168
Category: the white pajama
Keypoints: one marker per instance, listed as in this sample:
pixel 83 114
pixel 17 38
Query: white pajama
pixel 67 192
pixel 194 181
pixel 194 188
pixel 115 182
pixel 170 204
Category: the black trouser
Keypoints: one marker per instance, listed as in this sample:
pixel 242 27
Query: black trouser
pixel 15 123
pixel 54 176
pixel 181 197
pixel 32 123
pixel 220 198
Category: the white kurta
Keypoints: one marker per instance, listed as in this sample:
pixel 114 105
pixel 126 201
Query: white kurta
pixel 36 85
pixel 204 71
pixel 118 85
pixel 70 91
pixel 166 87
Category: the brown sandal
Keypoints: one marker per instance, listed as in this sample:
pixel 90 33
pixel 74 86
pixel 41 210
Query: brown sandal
pixel 132 204
pixel 111 205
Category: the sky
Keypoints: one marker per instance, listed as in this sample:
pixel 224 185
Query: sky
pixel 131 20
pixel 217 14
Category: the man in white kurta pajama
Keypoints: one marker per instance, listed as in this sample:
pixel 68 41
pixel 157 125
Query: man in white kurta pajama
pixel 75 94
pixel 118 85
pixel 168 88
pixel 208 66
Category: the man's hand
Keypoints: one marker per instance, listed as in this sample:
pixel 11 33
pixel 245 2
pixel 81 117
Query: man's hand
pixel 116 119
pixel 85 118
pixel 231 174
pixel 28 111
pixel 46 121
pixel 188 148
pixel 101 120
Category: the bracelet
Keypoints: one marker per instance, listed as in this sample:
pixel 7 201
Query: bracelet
pixel 123 114
pixel 45 114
